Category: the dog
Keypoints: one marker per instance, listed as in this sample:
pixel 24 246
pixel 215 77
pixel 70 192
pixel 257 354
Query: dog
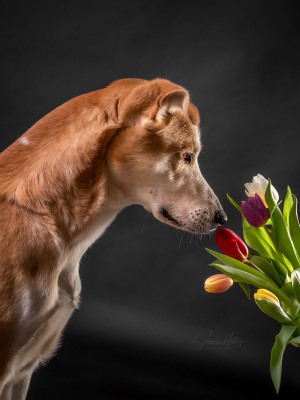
pixel 65 180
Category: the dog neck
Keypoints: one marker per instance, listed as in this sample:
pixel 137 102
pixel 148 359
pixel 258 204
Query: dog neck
pixel 57 172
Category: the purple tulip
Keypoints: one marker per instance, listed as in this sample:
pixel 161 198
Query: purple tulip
pixel 255 211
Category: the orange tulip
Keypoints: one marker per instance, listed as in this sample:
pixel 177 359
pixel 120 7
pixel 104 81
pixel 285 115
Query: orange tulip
pixel 218 283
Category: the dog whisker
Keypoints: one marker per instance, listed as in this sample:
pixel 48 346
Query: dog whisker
pixel 181 239
pixel 145 219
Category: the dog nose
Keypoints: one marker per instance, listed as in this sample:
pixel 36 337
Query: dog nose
pixel 220 217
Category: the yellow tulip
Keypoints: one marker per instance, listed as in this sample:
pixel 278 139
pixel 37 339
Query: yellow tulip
pixel 264 294
pixel 270 305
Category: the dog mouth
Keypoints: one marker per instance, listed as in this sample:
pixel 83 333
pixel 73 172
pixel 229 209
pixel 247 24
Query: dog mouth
pixel 163 211
pixel 186 227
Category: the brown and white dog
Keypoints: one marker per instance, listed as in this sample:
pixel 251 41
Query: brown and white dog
pixel 65 180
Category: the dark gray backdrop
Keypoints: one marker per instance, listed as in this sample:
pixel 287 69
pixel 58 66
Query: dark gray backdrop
pixel 145 315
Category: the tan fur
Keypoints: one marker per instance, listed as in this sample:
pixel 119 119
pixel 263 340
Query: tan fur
pixel 64 181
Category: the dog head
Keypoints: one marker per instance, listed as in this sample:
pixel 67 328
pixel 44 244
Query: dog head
pixel 153 159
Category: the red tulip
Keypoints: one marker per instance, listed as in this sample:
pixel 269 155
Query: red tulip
pixel 231 244
pixel 255 211
pixel 218 283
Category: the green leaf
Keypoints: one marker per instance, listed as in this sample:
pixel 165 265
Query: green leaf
pixel 287 288
pixel 287 263
pixel 245 288
pixel 294 225
pixel 281 270
pixel 260 282
pixel 239 266
pixel 296 340
pixel 259 240
pixel 253 253
pixel 294 343
pixel 288 202
pixel 267 268
pixel 281 341
pixel 241 272
pixel 234 204
pixel 282 235
pixel 274 311
pixel 242 276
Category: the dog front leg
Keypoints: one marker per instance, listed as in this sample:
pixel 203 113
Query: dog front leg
pixel 16 389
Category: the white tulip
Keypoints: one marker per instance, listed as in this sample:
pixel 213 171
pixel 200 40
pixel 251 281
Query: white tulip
pixel 259 185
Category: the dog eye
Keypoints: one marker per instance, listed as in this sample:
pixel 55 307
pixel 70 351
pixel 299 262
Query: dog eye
pixel 187 157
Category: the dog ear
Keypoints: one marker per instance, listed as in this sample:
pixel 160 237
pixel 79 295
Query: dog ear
pixel 154 101
pixel 193 114
pixel 171 102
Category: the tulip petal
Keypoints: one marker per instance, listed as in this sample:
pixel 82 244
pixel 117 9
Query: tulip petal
pixel 238 253
pixel 218 283
pixel 266 295
pixel 258 185
pixel 254 211
pixel 231 244
pixel 261 207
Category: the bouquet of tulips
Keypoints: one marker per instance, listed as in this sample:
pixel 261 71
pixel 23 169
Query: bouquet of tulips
pixel 269 260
